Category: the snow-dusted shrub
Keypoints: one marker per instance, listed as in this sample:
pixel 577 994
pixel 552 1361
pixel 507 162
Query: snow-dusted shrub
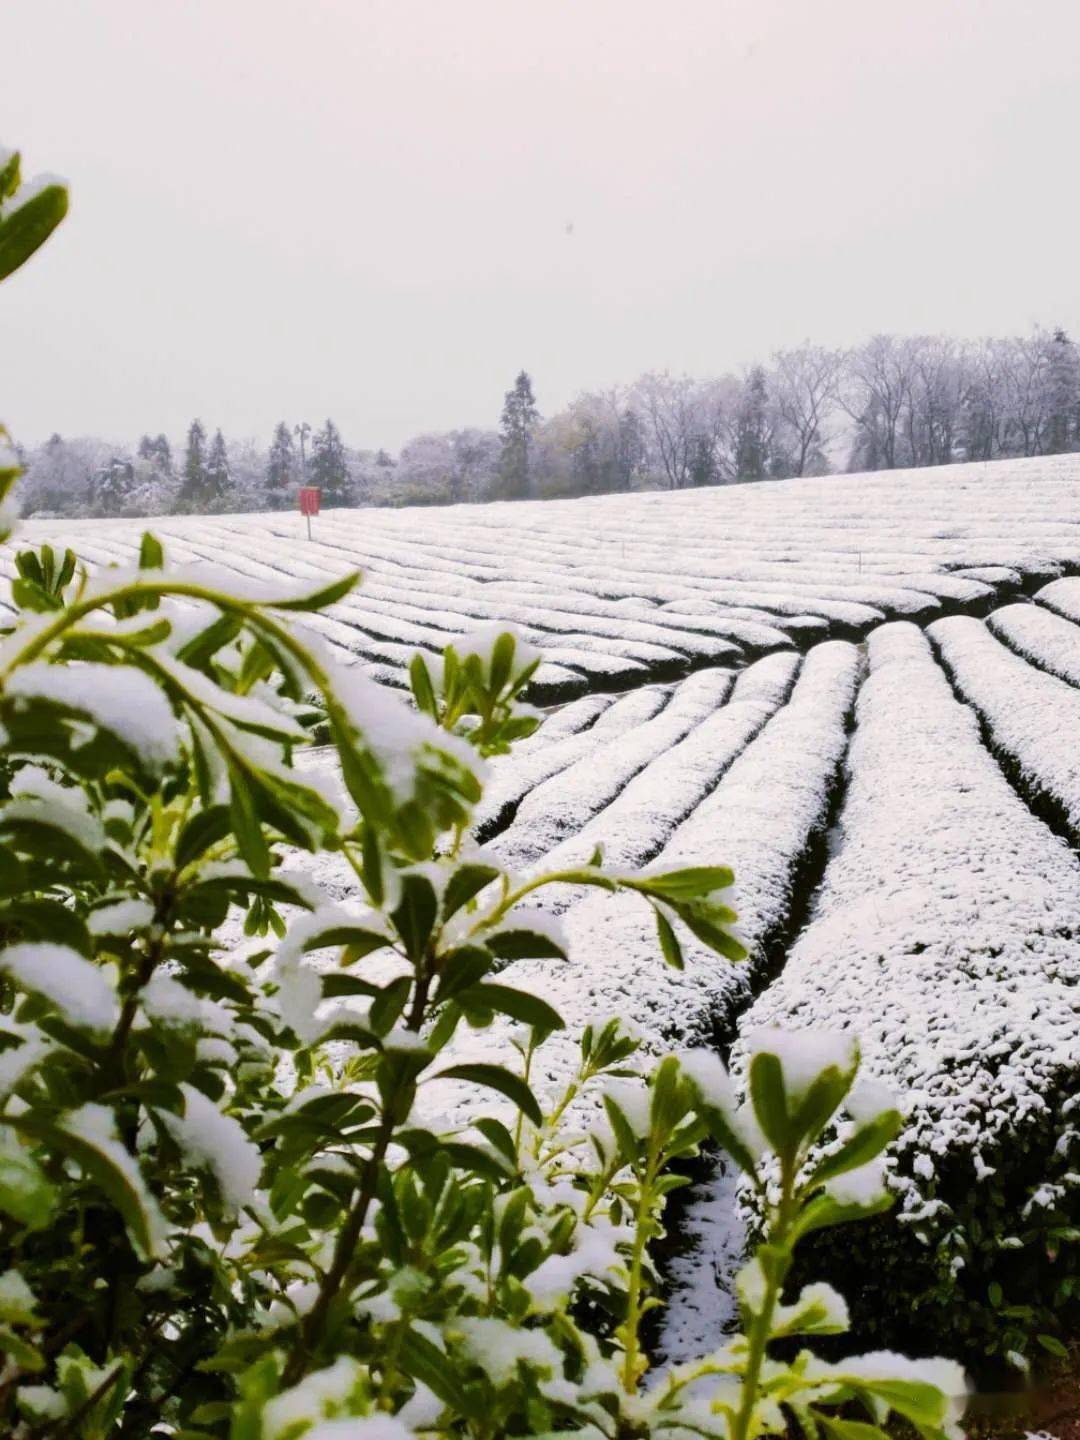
pixel 226 1210
pixel 944 935
pixel 223 1209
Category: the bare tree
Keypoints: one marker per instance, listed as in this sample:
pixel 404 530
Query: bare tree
pixel 985 405
pixel 878 380
pixel 1027 387
pixel 606 442
pixel 804 389
pixel 685 427
pixel 936 394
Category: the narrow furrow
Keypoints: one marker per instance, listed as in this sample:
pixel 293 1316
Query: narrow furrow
pixel 524 771
pixel 1042 638
pixel 1031 719
pixel 559 806
pixel 785 775
pixel 634 828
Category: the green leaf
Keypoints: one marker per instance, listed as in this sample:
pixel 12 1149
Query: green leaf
pixel 624 1132
pixel 25 229
pixel 667 1097
pixel 151 554
pixel 465 884
pixel 769 1100
pixel 461 969
pixel 494 1077
pixel 334 986
pixel 708 923
pixel 425 1362
pixel 810 1315
pixel 820 1103
pixel 10 176
pixel 728 1138
pixel 839 1429
pixel 470 1157
pixel 517 942
pixel 371 854
pixel 240 887
pixel 25 1194
pixel 246 827
pixel 864 1145
pixel 497 1135
pixel 67 572
pixel 203 829
pixel 28 564
pixel 359 940
pixel 388 1004
pixel 1053 1346
pixel 39 918
pixel 919 1401
pixel 518 1004
pixel 414 918
pixel 502 661
pixel 354 1029
pixel 44 838
pixel 20 1351
pixel 422 688
pixel 123 1187
pixel 202 647
pixel 440 1034
pixel 823 1211
pixel 669 941
pixel 319 599
pixel 691 883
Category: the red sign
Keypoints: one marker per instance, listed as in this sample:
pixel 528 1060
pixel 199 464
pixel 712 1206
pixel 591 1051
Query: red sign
pixel 309 499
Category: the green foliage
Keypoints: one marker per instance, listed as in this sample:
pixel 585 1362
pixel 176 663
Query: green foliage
pixel 226 1201
pixel 517 425
pixel 329 468
pixel 29 213
pixel 996 1272
pixel 226 1206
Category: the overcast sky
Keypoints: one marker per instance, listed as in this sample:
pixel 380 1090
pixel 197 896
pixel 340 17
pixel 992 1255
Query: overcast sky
pixel 380 210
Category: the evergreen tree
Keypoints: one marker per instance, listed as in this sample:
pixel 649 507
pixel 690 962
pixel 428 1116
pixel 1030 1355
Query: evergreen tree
pixel 280 468
pixel 112 486
pixel 218 476
pixel 752 428
pixel 978 423
pixel 587 455
pixel 702 468
pixel 328 468
pixel 630 450
pixel 192 495
pixel 867 445
pixel 1063 395
pixel 156 450
pixel 519 420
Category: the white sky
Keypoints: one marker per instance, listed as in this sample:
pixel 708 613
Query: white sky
pixel 360 208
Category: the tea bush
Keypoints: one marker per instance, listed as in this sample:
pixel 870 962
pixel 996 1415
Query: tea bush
pixel 227 1207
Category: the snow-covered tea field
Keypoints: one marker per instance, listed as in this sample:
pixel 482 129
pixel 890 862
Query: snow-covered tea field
pixel 860 693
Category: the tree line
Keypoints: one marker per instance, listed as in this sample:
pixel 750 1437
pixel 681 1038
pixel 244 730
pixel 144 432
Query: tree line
pixel 893 402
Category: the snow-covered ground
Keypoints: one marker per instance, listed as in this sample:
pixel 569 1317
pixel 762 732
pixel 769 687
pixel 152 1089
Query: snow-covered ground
pixel 619 590
pixel 946 932
pixel 939 916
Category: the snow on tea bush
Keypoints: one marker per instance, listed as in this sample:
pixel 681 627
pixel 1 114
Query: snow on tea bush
pixel 944 934
pixel 222 1212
